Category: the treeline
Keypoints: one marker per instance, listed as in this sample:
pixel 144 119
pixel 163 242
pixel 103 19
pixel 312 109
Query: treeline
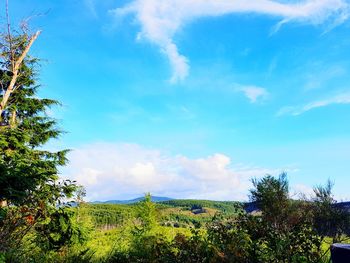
pixel 228 207
pixel 107 214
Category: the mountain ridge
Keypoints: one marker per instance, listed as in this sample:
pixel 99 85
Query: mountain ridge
pixel 155 199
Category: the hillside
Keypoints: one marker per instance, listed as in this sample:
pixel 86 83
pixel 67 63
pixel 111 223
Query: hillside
pixel 175 213
pixel 229 207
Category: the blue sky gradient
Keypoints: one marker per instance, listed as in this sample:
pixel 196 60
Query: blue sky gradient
pixel 210 96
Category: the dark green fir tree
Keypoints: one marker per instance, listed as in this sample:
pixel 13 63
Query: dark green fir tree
pixel 30 189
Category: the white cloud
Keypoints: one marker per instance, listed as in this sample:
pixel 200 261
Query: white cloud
pixel 297 110
pixel 160 20
pixel 121 171
pixel 253 93
pixel 301 191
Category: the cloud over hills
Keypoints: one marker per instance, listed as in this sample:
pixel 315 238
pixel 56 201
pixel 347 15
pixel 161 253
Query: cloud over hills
pixel 122 171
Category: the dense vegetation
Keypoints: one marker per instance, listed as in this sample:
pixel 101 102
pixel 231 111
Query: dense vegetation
pixel 284 231
pixel 107 215
pixel 30 189
pixel 175 213
pixel 228 207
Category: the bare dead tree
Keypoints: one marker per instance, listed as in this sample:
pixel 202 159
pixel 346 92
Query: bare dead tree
pixel 16 58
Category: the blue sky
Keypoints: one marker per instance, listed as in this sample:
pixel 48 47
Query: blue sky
pixel 191 99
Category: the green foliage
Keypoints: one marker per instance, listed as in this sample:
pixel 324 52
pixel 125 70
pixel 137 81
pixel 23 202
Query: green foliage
pixel 59 230
pixel 30 189
pixel 285 228
pixel 62 237
pixel 329 219
pixel 146 214
pixel 240 237
pixel 25 128
pixel 108 215
pixel 272 197
pixel 229 207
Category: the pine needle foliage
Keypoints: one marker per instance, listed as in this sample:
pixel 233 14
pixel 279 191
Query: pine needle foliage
pixel 30 188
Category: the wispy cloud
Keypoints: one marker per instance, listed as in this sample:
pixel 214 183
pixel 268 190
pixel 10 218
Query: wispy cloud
pixel 321 75
pixel 181 112
pixel 343 98
pixel 160 20
pixel 253 93
pixel 91 6
pixel 111 170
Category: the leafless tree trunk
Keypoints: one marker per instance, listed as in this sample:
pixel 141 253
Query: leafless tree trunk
pixel 16 62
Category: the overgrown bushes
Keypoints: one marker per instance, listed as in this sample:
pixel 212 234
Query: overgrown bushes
pixel 285 231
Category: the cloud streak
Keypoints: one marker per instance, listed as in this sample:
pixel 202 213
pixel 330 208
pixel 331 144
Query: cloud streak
pixel 297 110
pixel 253 93
pixel 161 20
pixel 121 171
pixel 322 75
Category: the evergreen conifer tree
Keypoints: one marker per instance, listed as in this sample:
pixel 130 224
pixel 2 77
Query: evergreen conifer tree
pixel 30 188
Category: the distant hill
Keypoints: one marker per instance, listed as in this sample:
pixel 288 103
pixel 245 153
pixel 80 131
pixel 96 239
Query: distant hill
pixel 155 199
pixel 343 205
pixel 251 207
pixel 176 213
